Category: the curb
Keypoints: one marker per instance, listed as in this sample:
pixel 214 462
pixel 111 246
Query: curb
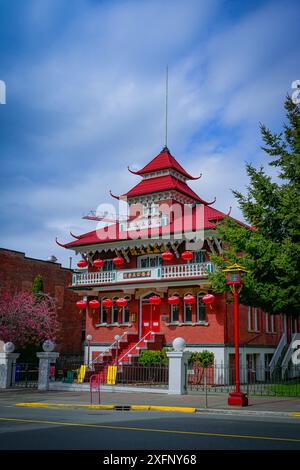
pixel 248 412
pixel 110 407
pixel 182 409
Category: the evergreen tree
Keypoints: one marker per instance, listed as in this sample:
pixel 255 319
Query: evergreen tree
pixel 270 249
pixel 37 286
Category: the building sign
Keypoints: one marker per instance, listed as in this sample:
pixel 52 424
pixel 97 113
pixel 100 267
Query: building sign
pixel 143 223
pixel 137 274
pixel 148 250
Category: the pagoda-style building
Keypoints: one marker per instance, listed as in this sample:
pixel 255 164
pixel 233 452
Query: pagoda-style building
pixel 144 278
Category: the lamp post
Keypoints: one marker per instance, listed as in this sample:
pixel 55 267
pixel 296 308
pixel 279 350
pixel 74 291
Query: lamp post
pixel 89 339
pixel 233 279
pixel 117 339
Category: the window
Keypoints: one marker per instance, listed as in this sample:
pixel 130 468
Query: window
pixel 150 208
pixel 164 220
pixel 270 323
pixel 201 309
pixel 187 312
pixel 103 313
pixel 294 326
pixel 108 265
pixel 174 312
pixel 252 319
pixel 150 261
pixel 125 312
pixel 114 311
pixel 199 257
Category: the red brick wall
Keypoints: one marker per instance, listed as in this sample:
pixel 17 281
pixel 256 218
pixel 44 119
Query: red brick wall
pixel 17 273
pixel 261 337
pixel 219 328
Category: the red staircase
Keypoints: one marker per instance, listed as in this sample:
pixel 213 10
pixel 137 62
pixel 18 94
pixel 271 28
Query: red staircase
pixel 128 349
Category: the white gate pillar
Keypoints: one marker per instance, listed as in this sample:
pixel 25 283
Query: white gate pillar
pixel 45 361
pixel 7 365
pixel 46 358
pixel 178 360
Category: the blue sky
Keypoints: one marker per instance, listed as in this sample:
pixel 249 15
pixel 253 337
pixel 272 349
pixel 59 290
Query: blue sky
pixel 85 98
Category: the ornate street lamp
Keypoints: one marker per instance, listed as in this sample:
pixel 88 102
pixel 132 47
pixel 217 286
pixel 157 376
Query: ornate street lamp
pixel 233 279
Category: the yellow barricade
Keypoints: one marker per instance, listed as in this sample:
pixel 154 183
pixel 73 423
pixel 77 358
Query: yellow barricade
pixel 81 374
pixel 111 375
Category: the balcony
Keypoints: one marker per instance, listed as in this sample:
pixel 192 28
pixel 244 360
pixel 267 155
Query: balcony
pixel 160 273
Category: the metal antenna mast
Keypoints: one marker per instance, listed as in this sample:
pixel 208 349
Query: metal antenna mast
pixel 167 85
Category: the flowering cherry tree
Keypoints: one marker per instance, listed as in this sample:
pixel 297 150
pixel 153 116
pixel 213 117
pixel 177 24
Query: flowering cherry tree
pixel 25 321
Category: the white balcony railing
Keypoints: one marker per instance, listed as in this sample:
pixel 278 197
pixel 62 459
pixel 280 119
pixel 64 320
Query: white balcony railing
pixel 179 271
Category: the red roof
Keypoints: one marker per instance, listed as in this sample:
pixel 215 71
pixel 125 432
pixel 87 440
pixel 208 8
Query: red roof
pixel 163 161
pixel 162 183
pixel 111 233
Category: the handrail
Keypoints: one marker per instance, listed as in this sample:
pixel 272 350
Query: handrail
pixel 133 347
pixel 278 352
pixel 288 354
pixel 109 347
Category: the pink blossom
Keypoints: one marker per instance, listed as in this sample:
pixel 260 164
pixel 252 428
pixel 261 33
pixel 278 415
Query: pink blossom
pixel 24 320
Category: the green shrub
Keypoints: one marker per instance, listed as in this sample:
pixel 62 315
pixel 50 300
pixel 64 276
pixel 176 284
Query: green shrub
pixel 150 358
pixel 203 359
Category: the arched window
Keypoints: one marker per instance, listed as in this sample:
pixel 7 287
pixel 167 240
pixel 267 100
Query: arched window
pixel 174 311
pixel 201 308
pixel 145 298
pixel 187 311
pixel 126 311
pixel 114 311
pixel 103 312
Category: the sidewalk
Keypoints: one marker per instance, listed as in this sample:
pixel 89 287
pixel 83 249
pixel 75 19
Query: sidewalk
pixel 216 402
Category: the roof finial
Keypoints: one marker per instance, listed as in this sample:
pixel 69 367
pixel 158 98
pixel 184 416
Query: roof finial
pixel 167 85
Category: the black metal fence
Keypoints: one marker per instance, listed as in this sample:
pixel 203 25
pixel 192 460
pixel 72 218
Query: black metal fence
pixel 256 382
pixel 24 375
pixel 138 375
pixel 70 370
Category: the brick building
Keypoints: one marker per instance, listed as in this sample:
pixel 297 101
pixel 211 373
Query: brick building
pixel 144 256
pixel 17 273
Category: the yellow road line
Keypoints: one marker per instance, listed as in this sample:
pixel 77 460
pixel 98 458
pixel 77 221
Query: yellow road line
pixel 165 431
pixel 296 415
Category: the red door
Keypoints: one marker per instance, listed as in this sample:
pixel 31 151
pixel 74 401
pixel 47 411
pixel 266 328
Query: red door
pixel 150 318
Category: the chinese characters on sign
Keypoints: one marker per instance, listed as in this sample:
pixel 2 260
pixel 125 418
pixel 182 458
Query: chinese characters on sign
pixel 136 274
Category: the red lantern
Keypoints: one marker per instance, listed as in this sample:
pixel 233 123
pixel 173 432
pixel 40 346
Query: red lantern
pixel 107 303
pixel 82 263
pixel 81 304
pixel 98 263
pixel 173 300
pixel 155 300
pixel 93 304
pixel 187 256
pixel 208 299
pixel 121 302
pixel 167 256
pixel 189 299
pixel 118 261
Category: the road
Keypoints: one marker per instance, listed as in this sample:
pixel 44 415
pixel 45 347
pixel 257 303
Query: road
pixel 48 429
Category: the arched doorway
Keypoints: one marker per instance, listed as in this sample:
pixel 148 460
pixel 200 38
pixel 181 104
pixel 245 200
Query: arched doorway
pixel 150 315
